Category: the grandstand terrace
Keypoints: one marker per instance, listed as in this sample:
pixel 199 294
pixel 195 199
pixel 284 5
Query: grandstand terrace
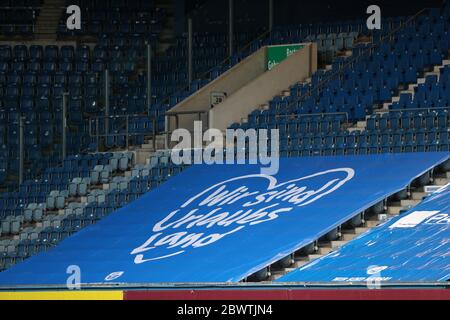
pixel 87 169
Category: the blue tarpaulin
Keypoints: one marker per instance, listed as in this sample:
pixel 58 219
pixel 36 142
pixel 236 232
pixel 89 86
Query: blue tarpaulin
pixel 412 247
pixel 221 223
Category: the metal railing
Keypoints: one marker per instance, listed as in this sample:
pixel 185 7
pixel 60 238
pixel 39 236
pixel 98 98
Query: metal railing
pixel 323 115
pixel 412 109
pixel 107 127
pixel 177 114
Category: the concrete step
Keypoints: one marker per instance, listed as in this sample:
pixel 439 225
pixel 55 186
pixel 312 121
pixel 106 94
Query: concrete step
pixel 440 181
pixel 360 230
pixel 276 276
pixel 386 105
pixel 411 87
pixel 349 236
pixel 361 124
pixel 408 91
pixel 372 223
pixel 314 256
pixel 394 210
pixel 437 69
pixel 418 195
pixel 420 80
pixel 432 73
pixel 278 272
pixel 324 250
pixel 300 263
pixel 409 202
pixel 337 243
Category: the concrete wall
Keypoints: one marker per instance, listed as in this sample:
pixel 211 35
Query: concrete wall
pixel 248 85
pixel 297 67
pixel 230 82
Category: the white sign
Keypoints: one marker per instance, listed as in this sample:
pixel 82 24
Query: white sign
pixel 217 98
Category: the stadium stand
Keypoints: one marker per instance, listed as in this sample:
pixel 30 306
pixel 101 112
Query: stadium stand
pixel 198 211
pixel 419 233
pixel 381 92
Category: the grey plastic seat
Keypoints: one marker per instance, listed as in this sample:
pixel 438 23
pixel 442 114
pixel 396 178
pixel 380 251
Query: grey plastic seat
pixel 56 223
pixel 79 209
pixel 153 162
pixel 82 188
pixel 34 235
pixel 92 196
pixel 28 212
pixel 97 196
pixel 124 163
pixel 101 198
pixel 38 213
pixel 60 201
pixel 6 227
pixel 51 199
pixel 124 184
pixel 73 187
pixel 86 180
pixel 136 171
pixel 114 162
pixel 15 227
pixel 72 208
pixel 95 174
pixel 23 236
pixel 164 160
pixel 104 174
pixel 45 223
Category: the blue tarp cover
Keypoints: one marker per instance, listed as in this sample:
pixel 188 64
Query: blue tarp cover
pixel 221 223
pixel 412 247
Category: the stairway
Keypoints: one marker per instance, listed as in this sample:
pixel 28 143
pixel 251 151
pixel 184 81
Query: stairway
pixel 48 20
pixel 143 152
pixel 393 207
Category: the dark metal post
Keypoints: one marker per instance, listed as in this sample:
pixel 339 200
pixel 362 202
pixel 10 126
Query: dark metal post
pixel 21 150
pixel 154 134
pixel 230 27
pixel 127 131
pixel 97 134
pixel 190 71
pixel 149 78
pixel 270 15
pixel 106 101
pixel 64 125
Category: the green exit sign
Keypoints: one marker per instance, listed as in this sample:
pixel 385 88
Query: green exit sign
pixel 276 54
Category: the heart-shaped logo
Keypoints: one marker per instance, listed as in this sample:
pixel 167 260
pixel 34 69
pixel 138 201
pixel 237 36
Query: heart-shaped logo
pixel 233 205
